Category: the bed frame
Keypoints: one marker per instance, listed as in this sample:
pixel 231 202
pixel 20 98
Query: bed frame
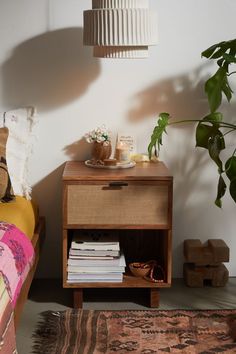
pixel 37 240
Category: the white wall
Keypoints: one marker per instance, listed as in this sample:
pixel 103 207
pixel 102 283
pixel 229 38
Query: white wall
pixel 43 63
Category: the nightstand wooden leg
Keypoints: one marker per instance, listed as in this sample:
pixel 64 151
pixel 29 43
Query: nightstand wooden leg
pixel 78 298
pixel 154 297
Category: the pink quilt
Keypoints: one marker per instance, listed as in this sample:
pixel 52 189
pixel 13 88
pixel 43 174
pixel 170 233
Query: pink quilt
pixel 16 257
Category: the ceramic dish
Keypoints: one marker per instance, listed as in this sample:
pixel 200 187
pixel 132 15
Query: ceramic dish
pixel 130 164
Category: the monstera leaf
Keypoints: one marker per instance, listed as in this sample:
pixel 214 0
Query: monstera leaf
pixel 159 130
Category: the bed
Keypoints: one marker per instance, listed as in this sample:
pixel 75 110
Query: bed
pixel 37 241
pixel 21 228
pixel 19 219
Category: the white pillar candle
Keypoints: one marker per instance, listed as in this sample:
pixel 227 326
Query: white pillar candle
pixel 122 153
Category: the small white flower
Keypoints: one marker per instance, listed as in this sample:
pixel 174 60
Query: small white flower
pixel 99 139
pixel 100 134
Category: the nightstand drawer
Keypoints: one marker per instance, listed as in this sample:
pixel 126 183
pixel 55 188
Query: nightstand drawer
pixel 132 204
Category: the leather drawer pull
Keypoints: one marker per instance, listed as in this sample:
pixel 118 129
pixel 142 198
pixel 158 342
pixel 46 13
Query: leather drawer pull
pixel 118 184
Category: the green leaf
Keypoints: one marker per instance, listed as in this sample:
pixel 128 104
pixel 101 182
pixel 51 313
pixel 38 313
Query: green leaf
pixel 156 138
pixel 215 50
pixel 205 132
pixel 220 62
pixel 229 58
pixel 221 189
pixel 231 44
pixel 209 51
pixel 227 89
pixel 230 168
pixel 214 118
pixel 232 189
pixel 213 88
pixel 215 145
pixel 218 54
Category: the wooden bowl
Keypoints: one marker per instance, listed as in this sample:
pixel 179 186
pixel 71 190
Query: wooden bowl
pixel 139 269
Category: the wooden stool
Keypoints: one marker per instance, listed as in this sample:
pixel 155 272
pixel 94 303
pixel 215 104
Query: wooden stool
pixel 195 276
pixel 204 262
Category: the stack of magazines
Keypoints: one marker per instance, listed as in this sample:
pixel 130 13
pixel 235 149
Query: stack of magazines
pixel 97 259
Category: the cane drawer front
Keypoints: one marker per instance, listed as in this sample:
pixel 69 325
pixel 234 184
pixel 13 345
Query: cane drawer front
pixel 132 204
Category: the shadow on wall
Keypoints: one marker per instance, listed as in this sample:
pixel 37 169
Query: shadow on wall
pixel 182 96
pixel 193 196
pixel 79 150
pixel 49 70
pixel 48 194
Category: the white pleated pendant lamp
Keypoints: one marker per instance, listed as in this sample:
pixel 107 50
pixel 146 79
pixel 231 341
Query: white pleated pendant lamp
pixel 120 28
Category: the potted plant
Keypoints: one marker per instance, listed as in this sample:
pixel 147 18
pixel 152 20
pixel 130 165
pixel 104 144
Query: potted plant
pixel 211 130
pixel 101 140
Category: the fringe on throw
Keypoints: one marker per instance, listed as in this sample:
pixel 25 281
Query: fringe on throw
pixel 46 333
pixel 26 186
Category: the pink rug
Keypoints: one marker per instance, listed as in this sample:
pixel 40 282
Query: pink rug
pixel 145 332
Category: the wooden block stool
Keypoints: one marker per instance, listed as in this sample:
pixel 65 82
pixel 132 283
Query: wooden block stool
pixel 204 262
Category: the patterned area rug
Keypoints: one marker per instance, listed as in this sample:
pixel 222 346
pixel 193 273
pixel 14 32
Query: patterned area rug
pixel 145 332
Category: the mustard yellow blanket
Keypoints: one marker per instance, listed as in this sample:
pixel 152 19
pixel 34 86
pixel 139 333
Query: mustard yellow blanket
pixel 22 213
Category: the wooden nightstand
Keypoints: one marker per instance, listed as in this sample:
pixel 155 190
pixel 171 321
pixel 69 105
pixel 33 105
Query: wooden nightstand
pixel 137 202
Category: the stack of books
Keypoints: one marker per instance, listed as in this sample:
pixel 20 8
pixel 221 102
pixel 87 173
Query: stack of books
pixel 95 259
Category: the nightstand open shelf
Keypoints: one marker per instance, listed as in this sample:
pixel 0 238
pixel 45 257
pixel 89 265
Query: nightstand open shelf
pixel 129 281
pixel 139 209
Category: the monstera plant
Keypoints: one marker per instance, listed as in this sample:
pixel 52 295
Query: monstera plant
pixel 212 130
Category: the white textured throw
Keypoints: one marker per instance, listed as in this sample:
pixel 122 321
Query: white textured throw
pixel 19 147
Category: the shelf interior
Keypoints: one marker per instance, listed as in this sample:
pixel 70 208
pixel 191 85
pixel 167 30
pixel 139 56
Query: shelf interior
pixel 138 246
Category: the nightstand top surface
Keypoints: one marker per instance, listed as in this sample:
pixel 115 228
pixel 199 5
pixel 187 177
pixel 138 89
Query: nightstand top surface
pixel 77 171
